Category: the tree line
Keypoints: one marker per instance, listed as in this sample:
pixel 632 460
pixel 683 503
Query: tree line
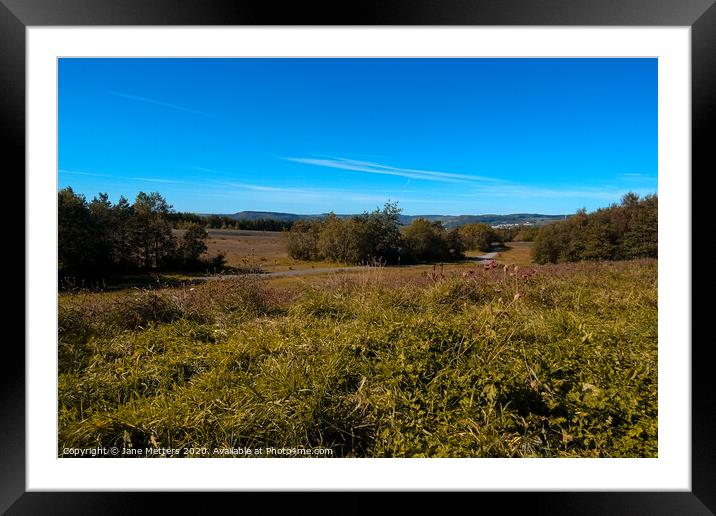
pixel 180 220
pixel 619 232
pixel 377 236
pixel 98 238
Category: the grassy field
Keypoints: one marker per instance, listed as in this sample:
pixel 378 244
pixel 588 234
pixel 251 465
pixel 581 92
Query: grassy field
pixel 518 253
pixel 541 361
pixel 245 249
pixel 266 251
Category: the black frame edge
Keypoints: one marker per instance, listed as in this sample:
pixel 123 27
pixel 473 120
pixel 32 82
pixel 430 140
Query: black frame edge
pixel 703 113
pixel 363 12
pixel 699 14
pixel 12 126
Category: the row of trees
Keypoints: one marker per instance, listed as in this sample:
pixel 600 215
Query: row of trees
pixel 619 232
pixel 378 236
pixel 182 220
pixel 98 238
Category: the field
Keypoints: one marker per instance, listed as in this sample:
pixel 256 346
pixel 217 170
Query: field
pixel 251 250
pixel 518 253
pixel 266 250
pixel 464 360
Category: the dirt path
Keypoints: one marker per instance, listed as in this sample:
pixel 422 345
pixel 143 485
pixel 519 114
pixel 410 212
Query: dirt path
pixel 279 274
pixel 487 256
pixel 306 272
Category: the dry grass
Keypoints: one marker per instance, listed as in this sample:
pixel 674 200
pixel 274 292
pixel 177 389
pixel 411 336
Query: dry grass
pixel 537 361
pixel 517 253
pixel 250 249
pixel 388 276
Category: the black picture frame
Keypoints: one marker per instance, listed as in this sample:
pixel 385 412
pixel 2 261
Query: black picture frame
pixel 700 15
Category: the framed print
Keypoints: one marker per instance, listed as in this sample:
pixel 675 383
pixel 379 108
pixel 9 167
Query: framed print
pixel 411 249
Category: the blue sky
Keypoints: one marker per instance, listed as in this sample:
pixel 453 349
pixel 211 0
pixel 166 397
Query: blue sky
pixel 440 136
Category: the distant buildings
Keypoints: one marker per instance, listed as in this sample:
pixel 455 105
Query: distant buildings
pixel 510 226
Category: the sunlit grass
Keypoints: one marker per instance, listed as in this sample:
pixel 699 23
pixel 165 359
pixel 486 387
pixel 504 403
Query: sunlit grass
pixel 549 361
pixel 518 253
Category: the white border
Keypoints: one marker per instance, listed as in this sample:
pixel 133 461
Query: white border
pixel 671 471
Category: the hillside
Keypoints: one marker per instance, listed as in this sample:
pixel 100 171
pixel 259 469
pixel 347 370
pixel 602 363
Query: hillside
pixel 537 361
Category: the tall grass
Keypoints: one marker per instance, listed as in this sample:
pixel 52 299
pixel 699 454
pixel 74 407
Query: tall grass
pixel 551 361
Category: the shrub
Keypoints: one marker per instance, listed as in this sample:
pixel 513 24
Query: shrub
pixel 428 241
pixel 478 236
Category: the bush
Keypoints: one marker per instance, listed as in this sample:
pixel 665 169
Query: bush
pixel 429 241
pixel 302 240
pixel 367 238
pixel 478 236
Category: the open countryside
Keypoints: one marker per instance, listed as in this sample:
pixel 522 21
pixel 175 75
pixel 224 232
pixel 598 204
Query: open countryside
pixel 266 251
pixel 372 359
pixel 357 258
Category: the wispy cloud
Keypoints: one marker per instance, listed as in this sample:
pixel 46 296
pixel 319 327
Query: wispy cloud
pixel 255 187
pixel 378 168
pixel 125 178
pixel 81 173
pixel 518 191
pixel 637 176
pixel 158 103
pixel 326 197
pixel 480 185
pixel 232 188
pixel 156 180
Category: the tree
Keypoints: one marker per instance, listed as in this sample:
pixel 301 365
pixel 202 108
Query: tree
pixel 123 253
pixel 378 234
pixel 193 243
pixel 337 240
pixel 625 231
pixel 103 230
pixel 74 232
pixel 599 240
pixel 152 232
pixel 430 241
pixel 642 235
pixel 456 247
pixel 478 236
pixel 302 240
pixel 526 234
pixel 547 244
pixel 426 241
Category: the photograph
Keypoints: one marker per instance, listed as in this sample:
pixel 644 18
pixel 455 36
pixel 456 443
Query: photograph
pixel 357 257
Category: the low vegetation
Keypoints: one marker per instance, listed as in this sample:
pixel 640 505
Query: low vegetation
pixel 377 237
pixel 368 238
pixel 488 361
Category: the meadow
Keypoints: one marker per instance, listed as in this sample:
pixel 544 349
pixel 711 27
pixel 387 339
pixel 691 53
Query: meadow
pixel 260 251
pixel 477 359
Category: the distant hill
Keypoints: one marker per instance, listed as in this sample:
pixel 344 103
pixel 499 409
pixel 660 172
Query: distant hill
pixel 449 221
pixel 454 221
pixel 267 215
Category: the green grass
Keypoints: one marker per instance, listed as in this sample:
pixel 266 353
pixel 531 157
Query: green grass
pixel 549 361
